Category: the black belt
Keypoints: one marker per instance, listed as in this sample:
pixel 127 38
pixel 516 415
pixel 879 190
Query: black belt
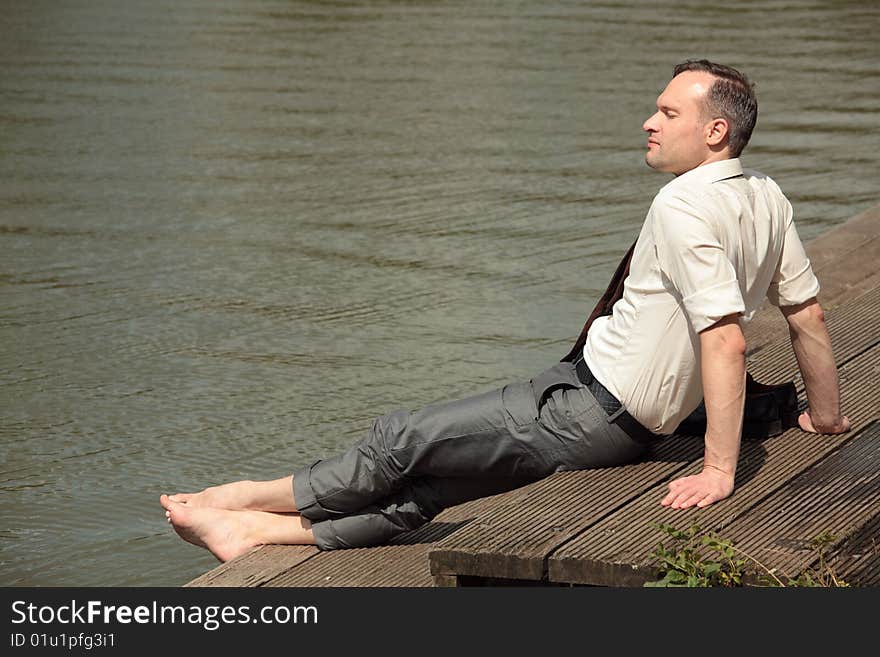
pixel 615 410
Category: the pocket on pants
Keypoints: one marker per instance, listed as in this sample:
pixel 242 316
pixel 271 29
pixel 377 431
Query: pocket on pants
pixel 519 405
pixel 548 383
pixel 590 440
pixel 567 405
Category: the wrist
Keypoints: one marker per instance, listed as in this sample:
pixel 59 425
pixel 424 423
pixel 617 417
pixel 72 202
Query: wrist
pixel 826 422
pixel 823 426
pixel 728 472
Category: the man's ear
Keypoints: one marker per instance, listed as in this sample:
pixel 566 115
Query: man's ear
pixel 717 131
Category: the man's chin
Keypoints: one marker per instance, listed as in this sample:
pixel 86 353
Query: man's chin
pixel 658 165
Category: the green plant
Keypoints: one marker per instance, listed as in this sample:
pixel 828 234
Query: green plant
pixel 822 574
pixel 703 558
pixel 689 563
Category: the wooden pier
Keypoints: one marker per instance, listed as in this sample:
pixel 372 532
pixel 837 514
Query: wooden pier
pixel 600 527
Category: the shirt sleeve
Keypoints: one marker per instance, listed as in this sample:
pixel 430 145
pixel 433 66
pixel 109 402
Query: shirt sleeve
pixel 693 260
pixel 794 281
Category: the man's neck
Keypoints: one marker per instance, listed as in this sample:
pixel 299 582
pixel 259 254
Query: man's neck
pixel 710 159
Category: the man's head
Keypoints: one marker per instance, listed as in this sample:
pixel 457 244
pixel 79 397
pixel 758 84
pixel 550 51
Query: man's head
pixel 706 113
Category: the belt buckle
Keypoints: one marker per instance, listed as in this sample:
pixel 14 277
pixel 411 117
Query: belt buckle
pixel 616 414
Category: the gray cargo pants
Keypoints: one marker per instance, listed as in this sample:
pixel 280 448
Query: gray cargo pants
pixel 412 465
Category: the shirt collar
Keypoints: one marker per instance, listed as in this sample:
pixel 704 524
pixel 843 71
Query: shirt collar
pixel 713 172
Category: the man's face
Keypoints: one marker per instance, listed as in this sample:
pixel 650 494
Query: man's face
pixel 677 131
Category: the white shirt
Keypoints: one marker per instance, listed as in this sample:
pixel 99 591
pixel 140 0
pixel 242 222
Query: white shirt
pixel 717 240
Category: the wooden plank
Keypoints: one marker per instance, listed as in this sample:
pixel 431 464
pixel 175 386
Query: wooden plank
pixel 858 561
pixel 849 276
pixel 840 495
pixel 838 244
pixel 513 541
pixel 256 567
pixel 853 326
pixel 384 566
pixel 446 581
pixel 616 551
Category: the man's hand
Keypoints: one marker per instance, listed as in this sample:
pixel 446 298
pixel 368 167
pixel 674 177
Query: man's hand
pixel 699 490
pixel 806 422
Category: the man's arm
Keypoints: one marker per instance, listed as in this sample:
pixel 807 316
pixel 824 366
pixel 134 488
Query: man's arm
pixel 723 367
pixel 812 348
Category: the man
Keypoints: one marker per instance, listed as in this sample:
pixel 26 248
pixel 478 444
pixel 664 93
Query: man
pixel 716 242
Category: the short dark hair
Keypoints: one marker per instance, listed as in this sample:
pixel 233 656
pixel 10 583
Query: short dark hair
pixel 731 97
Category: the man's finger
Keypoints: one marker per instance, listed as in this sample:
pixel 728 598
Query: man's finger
pixel 676 484
pixel 673 497
pixel 673 488
pixel 690 500
pixel 679 498
pixel 708 499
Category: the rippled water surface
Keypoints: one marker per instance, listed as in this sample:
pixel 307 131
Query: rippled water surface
pixel 233 232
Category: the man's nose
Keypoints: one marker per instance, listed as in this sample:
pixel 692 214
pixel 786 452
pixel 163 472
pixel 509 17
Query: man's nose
pixel 650 125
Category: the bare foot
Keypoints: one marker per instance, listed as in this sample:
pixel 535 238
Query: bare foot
pixel 230 533
pixel 225 533
pixel 237 495
pixel 276 495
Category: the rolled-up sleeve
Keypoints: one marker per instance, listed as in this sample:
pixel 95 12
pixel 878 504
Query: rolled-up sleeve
pixel 794 281
pixel 693 260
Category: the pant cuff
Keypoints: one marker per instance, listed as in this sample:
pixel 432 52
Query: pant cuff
pixel 304 495
pixel 325 537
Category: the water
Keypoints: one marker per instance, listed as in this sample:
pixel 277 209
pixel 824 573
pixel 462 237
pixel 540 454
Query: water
pixel 232 233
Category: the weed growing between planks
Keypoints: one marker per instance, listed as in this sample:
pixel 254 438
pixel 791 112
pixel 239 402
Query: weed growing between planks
pixel 701 558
